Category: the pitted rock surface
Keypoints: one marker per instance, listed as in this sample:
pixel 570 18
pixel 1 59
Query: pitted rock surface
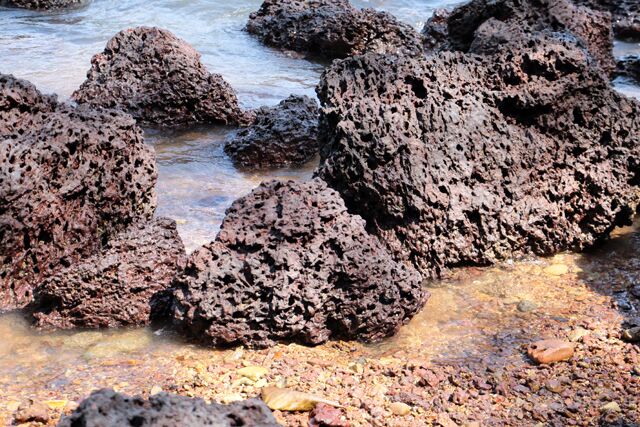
pixel 465 159
pixel 70 178
pixel 113 289
pixel 629 67
pixel 331 28
pixel 436 30
pixel 626 16
pixel 158 79
pixel 497 22
pixel 45 4
pixel 291 264
pixel 281 135
pixel 108 408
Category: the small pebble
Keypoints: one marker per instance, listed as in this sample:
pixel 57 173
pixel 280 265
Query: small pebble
pixel 400 409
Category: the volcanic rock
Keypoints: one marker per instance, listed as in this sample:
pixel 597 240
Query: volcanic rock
pixel 629 67
pixel 436 30
pixel 70 178
pixel 113 288
pixel 474 25
pixel 331 29
pixel 108 408
pixel 626 16
pixel 281 135
pixel 469 160
pixel 551 351
pixel 44 4
pixel 160 80
pixel 290 263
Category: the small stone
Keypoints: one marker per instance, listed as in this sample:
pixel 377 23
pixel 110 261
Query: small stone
pixel 610 407
pixel 635 291
pixel 400 409
pixel 554 386
pixel 632 334
pixel 550 351
pixel 155 390
pixel 254 373
pixel 32 412
pixel 324 415
pixel 578 334
pixel 556 270
pixel 526 306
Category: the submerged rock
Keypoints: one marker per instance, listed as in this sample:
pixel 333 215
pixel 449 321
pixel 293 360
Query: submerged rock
pixel 158 79
pixel 290 263
pixel 281 135
pixel 70 178
pixel 485 25
pixel 469 160
pixel 108 408
pixel 44 4
pixel 629 67
pixel 331 28
pixel 626 16
pixel 113 288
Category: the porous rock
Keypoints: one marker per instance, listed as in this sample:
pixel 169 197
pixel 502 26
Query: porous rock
pixel 114 287
pixel 436 30
pixel 626 16
pixel 70 178
pixel 470 160
pixel 474 25
pixel 108 408
pixel 290 263
pixel 44 4
pixel 629 67
pixel 331 28
pixel 158 79
pixel 281 135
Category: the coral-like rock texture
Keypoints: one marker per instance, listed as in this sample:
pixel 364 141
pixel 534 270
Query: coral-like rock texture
pixel 45 4
pixel 291 264
pixel 467 160
pixel 108 408
pixel 331 29
pixel 497 22
pixel 282 135
pixel 158 79
pixel 626 16
pixel 113 288
pixel 70 178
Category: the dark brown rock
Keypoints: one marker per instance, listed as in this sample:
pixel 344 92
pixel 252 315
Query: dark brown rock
pixel 108 408
pixel 290 263
pixel 45 4
pixel 436 30
pixel 629 67
pixel 331 29
pixel 474 25
pixel 113 288
pixel 465 159
pixel 160 80
pixel 282 135
pixel 626 16
pixel 70 178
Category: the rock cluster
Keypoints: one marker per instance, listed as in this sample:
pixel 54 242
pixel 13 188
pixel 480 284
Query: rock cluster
pixel 626 16
pixel 464 159
pixel 281 135
pixel 45 4
pixel 290 263
pixel 108 408
pixel 114 287
pixel 474 25
pixel 331 28
pixel 70 179
pixel 158 79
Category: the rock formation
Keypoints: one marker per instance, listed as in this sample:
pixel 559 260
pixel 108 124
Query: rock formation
pixel 281 135
pixel 626 16
pixel 473 23
pixel 70 178
pixel 331 29
pixel 108 408
pixel 290 263
pixel 629 67
pixel 464 159
pixel 160 80
pixel 113 288
pixel 44 4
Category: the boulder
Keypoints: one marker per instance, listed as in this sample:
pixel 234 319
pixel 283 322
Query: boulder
pixel 626 16
pixel 470 25
pixel 436 30
pixel 291 264
pixel 108 408
pixel 469 160
pixel 158 79
pixel 331 29
pixel 70 178
pixel 114 287
pixel 282 135
pixel 629 67
pixel 44 4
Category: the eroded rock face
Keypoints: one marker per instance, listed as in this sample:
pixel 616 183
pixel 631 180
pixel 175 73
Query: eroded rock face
pixel 626 15
pixel 629 67
pixel 108 408
pixel 331 29
pixel 466 159
pixel 113 288
pixel 160 80
pixel 70 178
pixel 281 135
pixel 45 4
pixel 471 26
pixel 290 263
